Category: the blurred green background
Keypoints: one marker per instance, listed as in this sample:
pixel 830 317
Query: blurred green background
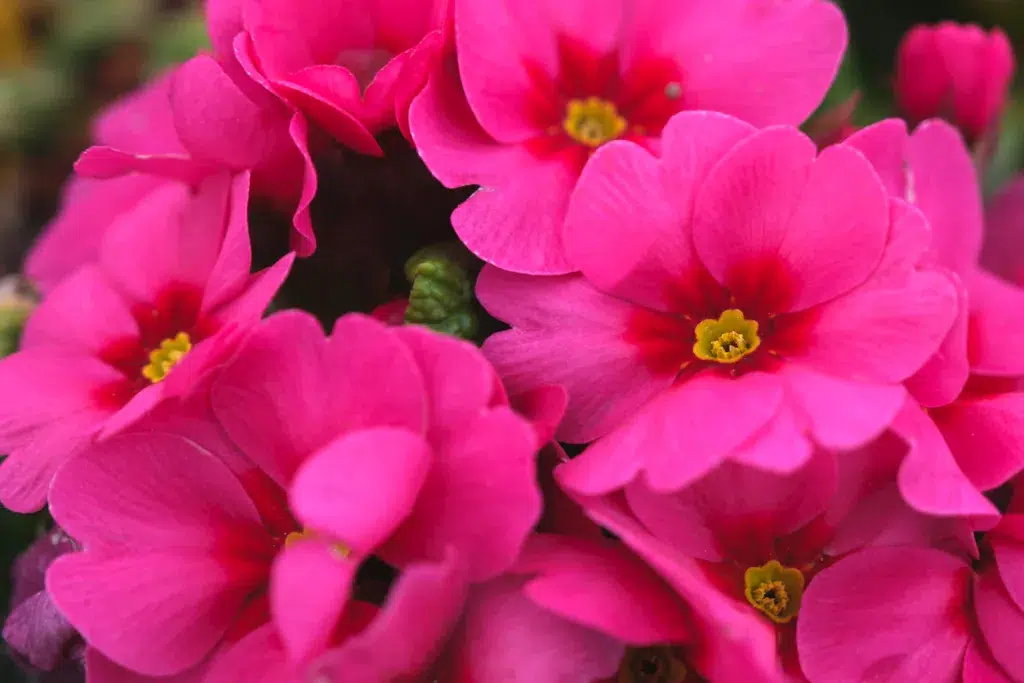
pixel 63 60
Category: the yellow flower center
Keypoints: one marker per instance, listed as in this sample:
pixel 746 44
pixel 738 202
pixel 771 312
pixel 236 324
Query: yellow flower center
pixel 727 339
pixel 338 550
pixel 775 590
pixel 166 356
pixel 593 121
pixel 651 665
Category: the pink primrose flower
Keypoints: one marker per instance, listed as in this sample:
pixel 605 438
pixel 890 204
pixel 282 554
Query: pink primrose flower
pixel 959 72
pixel 538 86
pixel 713 313
pixel 164 301
pixel 375 447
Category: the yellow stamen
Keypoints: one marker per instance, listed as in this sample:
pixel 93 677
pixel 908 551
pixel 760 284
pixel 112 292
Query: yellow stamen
pixel 651 665
pixel 726 340
pixel 593 121
pixel 339 550
pixel 163 359
pixel 775 590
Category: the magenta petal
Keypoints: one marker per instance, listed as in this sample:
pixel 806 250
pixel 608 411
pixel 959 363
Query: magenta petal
pixel 986 436
pixel 332 98
pixel 929 477
pixel 259 657
pixel 781 446
pixel 943 377
pixel 995 330
pixel 36 630
pixel 99 669
pixel 568 333
pixel 310 584
pixel 504 636
pixel 944 184
pixel 163 611
pixel 83 314
pixel 480 498
pixel 979 667
pixel 772 233
pixel 867 408
pixel 1009 554
pixel 858 640
pixel 171 493
pixel 888 332
pixel 1001 622
pixel 360 487
pixel 679 436
pixel 407 633
pixel 884 144
pixel 107 162
pixel 1003 252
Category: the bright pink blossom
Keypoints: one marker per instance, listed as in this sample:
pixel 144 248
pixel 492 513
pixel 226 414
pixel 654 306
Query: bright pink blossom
pixel 975 421
pixel 959 72
pixel 171 283
pixel 723 229
pixel 539 85
pixel 919 614
pixel 740 523
pixel 1003 251
pixel 560 615
pixel 388 443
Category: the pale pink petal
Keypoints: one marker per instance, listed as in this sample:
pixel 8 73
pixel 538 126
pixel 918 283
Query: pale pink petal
pixel 1001 621
pixel 857 640
pixel 724 46
pixel 944 184
pixel 407 634
pixel 767 247
pixel 309 586
pixel 986 436
pixel 581 581
pixel 568 333
pixel 884 144
pixel 480 497
pixel 867 408
pixel 678 437
pixel 171 494
pixel 360 487
pixel 505 636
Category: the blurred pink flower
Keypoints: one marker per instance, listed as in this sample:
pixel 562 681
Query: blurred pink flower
pixel 959 72
pixel 166 297
pixel 713 312
pixel 539 86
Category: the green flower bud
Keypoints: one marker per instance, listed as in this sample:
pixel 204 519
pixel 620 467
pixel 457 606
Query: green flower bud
pixel 442 291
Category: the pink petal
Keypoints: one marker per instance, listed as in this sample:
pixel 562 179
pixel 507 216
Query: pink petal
pixel 99 669
pixel 1009 556
pixel 480 498
pixel 228 261
pixel 162 611
pixel 986 436
pixel 407 634
pixel 361 487
pixel 781 446
pixel 678 437
pixel 568 333
pixel 943 377
pixel 256 296
pixel 1003 252
pixel 84 314
pixel 979 667
pixel 171 494
pixel 507 637
pixel 944 184
pixel 723 47
pixel 994 329
pixel 544 408
pixel 884 144
pixel 1000 621
pixel 734 643
pixel 771 237
pixel 910 237
pixel 108 162
pixel 309 587
pixel 867 408
pixel 853 640
pixel 929 478
pixel 888 332
pixel 37 631
pixel 259 657
pixel 581 581
pixel 735 512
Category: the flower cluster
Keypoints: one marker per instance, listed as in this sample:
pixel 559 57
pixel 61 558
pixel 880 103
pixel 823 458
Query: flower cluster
pixel 745 403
